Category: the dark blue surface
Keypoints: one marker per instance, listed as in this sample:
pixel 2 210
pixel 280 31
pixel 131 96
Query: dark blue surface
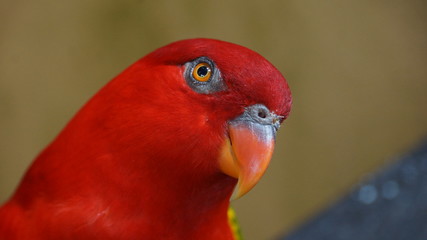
pixel 392 205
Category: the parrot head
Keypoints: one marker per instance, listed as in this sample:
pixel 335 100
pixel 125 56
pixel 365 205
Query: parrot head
pixel 200 107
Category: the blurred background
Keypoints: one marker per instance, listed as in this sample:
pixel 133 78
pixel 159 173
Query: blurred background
pixel 357 70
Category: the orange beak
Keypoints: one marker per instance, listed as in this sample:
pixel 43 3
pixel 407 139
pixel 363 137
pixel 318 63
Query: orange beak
pixel 246 153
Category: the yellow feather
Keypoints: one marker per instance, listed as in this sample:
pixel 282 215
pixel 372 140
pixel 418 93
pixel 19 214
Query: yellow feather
pixel 234 225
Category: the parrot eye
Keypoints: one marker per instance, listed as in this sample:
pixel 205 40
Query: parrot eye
pixel 203 76
pixel 202 72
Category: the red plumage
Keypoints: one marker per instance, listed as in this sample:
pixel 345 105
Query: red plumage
pixel 139 160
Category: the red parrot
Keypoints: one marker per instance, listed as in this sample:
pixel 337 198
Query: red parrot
pixel 158 152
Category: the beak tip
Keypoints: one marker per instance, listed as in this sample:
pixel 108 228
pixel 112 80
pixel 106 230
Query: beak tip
pixel 236 193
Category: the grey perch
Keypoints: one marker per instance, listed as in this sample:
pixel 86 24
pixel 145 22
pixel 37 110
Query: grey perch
pixel 392 205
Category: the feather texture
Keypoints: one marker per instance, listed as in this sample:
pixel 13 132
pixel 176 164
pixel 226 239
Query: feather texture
pixel 139 160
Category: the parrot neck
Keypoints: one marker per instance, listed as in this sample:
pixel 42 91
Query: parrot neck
pixel 149 198
pixel 143 186
pixel 187 206
pixel 193 211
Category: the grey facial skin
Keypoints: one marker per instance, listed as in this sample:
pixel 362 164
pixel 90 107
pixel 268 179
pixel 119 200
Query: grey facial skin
pixel 261 120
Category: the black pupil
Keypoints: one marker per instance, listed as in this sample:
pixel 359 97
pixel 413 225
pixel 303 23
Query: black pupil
pixel 202 71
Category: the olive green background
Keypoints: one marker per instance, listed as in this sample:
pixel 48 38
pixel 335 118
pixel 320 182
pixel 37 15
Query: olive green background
pixel 357 70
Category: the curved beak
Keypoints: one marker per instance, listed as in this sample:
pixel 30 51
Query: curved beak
pixel 247 152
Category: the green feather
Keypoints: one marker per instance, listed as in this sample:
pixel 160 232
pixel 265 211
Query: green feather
pixel 234 225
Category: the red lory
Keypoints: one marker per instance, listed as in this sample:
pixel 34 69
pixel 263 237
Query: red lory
pixel 158 152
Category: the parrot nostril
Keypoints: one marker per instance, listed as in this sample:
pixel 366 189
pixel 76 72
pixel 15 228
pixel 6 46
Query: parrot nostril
pixel 259 113
pixel 262 113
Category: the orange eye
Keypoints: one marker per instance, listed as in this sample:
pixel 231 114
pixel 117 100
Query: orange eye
pixel 202 72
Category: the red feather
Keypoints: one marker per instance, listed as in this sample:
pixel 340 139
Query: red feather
pixel 139 160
